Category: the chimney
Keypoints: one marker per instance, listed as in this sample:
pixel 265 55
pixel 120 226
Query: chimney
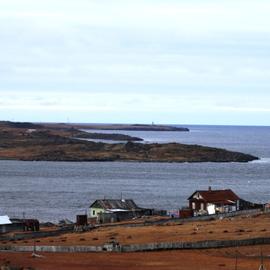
pixel 209 188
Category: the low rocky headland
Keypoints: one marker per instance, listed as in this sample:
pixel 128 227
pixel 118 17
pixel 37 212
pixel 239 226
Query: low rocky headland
pixel 129 127
pixel 106 136
pixel 27 141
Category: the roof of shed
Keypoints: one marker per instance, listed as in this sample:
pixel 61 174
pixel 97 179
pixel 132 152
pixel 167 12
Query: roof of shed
pixel 212 196
pixel 115 204
pixel 4 220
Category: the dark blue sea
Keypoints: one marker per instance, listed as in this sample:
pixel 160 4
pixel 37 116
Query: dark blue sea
pixel 52 191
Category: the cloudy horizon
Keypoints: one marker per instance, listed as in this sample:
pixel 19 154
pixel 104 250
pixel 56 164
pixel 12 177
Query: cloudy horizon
pixel 175 62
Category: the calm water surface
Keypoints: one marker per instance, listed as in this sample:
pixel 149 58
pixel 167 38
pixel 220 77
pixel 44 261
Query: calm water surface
pixel 52 191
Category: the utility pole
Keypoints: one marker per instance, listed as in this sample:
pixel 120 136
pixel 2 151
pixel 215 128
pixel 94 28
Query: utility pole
pixel 236 260
pixel 262 265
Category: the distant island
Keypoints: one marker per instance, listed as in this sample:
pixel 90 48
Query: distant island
pixel 28 141
pixel 134 127
pixel 106 136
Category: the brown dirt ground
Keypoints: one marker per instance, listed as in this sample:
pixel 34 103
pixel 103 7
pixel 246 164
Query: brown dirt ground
pixel 249 259
pixel 234 228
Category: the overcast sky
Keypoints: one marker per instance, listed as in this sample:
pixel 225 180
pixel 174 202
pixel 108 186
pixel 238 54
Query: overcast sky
pixel 178 62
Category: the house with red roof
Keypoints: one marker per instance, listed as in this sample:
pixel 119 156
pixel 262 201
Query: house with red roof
pixel 209 202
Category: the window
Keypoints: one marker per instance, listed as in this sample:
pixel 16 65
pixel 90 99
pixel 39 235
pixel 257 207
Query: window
pixel 94 212
pixel 193 206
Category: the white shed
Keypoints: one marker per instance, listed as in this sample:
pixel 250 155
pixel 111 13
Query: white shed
pixel 4 220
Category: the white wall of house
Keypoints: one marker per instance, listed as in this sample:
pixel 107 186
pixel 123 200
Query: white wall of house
pixel 211 209
pixel 93 212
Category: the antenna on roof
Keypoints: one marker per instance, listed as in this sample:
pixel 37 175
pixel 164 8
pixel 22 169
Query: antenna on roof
pixel 123 200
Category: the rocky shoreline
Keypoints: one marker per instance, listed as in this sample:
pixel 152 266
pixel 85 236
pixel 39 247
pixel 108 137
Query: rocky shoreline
pixel 40 143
